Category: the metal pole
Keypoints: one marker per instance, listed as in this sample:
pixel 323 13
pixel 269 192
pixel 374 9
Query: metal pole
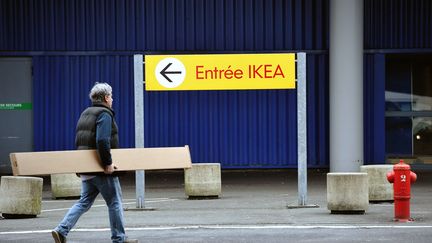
pixel 301 129
pixel 302 133
pixel 139 126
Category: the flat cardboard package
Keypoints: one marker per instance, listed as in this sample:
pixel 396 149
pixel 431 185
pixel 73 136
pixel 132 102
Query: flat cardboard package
pixel 81 161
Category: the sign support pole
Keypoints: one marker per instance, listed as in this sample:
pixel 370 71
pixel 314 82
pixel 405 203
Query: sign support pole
pixel 139 129
pixel 302 133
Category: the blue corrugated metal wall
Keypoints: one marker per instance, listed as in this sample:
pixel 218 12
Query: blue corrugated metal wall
pixel 374 106
pixel 397 24
pixel 164 25
pixel 240 129
pixel 61 86
pixel 94 40
pixel 168 25
pixel 75 43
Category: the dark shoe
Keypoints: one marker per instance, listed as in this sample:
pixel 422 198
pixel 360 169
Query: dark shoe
pixel 58 238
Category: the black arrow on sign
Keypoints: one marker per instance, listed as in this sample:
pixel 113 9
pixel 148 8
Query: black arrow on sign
pixel 164 72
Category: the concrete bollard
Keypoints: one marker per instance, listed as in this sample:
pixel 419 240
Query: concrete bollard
pixel 203 180
pixel 65 185
pixel 379 188
pixel 20 196
pixel 347 192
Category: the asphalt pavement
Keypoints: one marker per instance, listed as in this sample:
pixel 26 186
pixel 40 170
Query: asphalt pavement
pixel 252 208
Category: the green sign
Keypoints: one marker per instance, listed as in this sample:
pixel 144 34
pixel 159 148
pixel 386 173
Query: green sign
pixel 16 106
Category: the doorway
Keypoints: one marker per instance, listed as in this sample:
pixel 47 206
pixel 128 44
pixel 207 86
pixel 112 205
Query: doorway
pixel 16 111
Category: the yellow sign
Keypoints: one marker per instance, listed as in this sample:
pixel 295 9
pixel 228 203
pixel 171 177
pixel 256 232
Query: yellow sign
pixel 220 72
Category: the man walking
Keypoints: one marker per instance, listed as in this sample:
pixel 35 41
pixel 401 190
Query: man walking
pixel 97 129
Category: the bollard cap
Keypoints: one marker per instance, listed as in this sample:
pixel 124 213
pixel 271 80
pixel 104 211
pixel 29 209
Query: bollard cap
pixel 401 166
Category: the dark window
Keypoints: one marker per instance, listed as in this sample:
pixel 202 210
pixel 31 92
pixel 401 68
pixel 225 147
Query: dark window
pixel 409 105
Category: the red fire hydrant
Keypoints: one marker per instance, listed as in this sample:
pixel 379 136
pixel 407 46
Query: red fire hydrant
pixel 402 177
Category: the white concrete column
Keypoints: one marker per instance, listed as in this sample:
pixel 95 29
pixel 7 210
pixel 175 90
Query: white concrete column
pixel 346 85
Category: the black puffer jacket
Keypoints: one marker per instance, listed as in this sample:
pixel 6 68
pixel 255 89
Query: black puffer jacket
pixel 86 132
pixel 86 127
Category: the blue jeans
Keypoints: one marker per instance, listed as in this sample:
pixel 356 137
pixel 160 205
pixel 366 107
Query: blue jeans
pixel 109 187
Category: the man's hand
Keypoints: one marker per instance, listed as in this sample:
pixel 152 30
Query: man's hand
pixel 109 169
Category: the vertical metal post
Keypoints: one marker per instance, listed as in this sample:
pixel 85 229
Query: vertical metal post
pixel 302 133
pixel 139 125
pixel 301 128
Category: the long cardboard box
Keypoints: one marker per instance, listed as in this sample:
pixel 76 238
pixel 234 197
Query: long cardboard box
pixel 81 161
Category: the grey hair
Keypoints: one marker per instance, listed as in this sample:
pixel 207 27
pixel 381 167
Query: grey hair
pixel 99 91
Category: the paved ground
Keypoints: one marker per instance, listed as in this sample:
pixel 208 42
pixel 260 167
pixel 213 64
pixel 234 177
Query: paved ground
pixel 253 208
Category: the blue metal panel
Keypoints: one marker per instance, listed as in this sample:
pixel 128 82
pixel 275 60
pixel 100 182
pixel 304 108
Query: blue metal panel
pixel 168 25
pixel 374 107
pixel 391 24
pixel 236 128
pixel 240 129
pixel 318 110
pixel 61 86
